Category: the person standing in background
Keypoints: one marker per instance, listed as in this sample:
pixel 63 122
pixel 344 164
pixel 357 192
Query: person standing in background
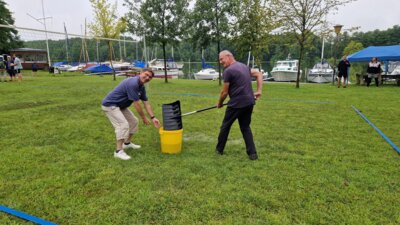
pixel 34 69
pixel 343 68
pixel 10 68
pixel 3 72
pixel 18 67
pixel 373 71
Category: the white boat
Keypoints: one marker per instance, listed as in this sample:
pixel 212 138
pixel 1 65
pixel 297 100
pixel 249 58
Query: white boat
pixel 171 74
pixel 157 65
pixel 64 67
pixel 396 71
pixel 206 74
pixel 119 66
pixel 321 73
pixel 285 70
pixel 171 64
pixel 265 76
pixel 76 68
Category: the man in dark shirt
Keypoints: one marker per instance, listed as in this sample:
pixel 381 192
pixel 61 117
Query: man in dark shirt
pixel 237 84
pixel 116 106
pixel 343 67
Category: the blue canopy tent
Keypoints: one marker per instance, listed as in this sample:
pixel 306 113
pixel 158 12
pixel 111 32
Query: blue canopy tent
pixel 383 53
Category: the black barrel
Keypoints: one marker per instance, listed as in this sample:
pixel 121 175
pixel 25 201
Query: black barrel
pixel 172 119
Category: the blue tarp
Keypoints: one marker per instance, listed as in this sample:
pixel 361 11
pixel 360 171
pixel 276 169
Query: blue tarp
pixel 139 64
pixel 99 69
pixel 383 53
pixel 59 64
pixel 204 65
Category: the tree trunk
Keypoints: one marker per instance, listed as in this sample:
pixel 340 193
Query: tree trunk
pixel 218 42
pixel 299 66
pixel 165 62
pixel 110 57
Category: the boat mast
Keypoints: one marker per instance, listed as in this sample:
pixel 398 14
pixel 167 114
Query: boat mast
pixel 322 50
pixel 248 58
pixel 66 42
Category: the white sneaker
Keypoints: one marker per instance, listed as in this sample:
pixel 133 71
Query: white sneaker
pixel 131 145
pixel 122 155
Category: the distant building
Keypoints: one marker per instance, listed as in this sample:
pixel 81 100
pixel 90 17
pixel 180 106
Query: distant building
pixel 28 56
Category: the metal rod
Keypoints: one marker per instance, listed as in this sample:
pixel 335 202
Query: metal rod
pixel 200 110
pixel 377 129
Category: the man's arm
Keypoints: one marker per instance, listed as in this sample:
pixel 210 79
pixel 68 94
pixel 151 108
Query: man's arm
pixel 149 110
pixel 223 94
pixel 139 109
pixel 258 75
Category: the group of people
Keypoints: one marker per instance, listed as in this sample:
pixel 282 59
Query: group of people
pixel 12 67
pixel 374 70
pixel 237 85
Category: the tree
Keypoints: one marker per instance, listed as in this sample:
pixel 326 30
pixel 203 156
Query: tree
pixel 351 48
pixel 303 17
pixel 106 24
pixel 209 24
pixel 8 36
pixel 252 27
pixel 160 21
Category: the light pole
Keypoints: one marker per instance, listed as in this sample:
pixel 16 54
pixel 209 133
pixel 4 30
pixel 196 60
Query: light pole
pixel 337 31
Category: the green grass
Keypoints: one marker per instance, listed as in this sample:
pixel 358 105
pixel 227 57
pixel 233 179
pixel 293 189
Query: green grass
pixel 319 162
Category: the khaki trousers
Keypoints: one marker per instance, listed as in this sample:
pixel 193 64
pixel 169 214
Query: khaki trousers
pixel 123 121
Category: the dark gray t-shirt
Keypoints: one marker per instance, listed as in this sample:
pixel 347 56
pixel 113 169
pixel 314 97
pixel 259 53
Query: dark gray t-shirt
pixel 126 92
pixel 240 92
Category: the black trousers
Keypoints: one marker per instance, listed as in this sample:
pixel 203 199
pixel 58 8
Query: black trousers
pixel 369 81
pixel 244 117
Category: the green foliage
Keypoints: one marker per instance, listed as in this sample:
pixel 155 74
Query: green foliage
pixel 251 29
pixel 320 163
pixel 356 68
pixel 8 36
pixel 302 18
pixel 352 47
pixel 209 22
pixel 390 36
pixel 106 24
pixel 158 20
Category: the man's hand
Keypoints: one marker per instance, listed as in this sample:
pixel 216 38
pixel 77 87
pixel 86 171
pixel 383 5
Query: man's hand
pixel 156 122
pixel 257 95
pixel 146 121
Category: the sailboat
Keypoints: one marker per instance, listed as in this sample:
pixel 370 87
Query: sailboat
pixel 265 75
pixel 321 72
pixel 207 72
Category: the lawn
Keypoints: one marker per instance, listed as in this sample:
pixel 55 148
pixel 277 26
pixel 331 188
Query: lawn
pixel 319 161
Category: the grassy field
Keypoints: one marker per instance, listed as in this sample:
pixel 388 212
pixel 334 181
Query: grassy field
pixel 319 162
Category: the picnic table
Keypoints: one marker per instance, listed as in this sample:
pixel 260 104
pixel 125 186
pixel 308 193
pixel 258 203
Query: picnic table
pixel 360 78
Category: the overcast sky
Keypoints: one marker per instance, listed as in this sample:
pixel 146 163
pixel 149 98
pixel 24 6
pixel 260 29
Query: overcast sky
pixel 367 14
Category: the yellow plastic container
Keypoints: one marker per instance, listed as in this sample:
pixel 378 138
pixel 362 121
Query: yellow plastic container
pixel 171 141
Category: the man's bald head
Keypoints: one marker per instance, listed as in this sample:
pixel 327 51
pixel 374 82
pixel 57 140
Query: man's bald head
pixel 226 58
